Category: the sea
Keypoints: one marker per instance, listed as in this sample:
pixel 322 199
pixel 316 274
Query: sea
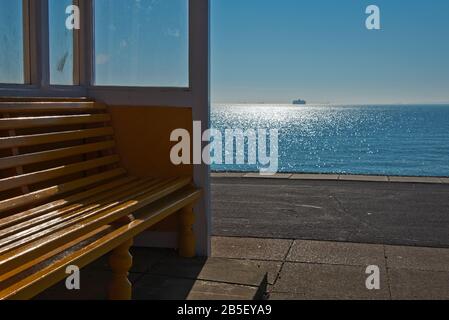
pixel 402 140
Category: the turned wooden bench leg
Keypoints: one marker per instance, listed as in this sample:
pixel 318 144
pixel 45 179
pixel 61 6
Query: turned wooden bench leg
pixel 186 237
pixel 120 262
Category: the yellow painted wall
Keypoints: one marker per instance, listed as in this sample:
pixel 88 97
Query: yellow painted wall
pixel 143 143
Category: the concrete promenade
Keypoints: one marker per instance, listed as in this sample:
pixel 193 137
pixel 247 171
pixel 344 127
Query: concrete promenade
pixel 297 270
pixel 310 270
pixel 315 235
pixel 363 209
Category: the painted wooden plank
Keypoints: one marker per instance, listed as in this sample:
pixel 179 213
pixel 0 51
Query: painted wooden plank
pixel 8 279
pixel 30 158
pixel 51 121
pixel 45 99
pixel 35 249
pixel 18 168
pixel 52 191
pixel 67 216
pixel 44 175
pixel 43 194
pixel 55 106
pixel 39 139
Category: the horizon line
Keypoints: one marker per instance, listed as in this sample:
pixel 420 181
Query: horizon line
pixel 337 103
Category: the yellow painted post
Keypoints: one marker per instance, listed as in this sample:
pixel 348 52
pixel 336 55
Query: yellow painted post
pixel 120 262
pixel 186 242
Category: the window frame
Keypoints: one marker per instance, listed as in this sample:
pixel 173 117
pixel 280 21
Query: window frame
pixel 76 53
pixel 136 88
pixel 37 71
pixel 26 26
pixel 163 96
pixel 36 57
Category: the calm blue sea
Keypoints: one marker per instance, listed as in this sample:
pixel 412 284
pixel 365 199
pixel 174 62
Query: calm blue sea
pixel 387 140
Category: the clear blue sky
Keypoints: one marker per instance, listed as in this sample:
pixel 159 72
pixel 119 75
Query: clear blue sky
pixel 262 50
pixel 320 50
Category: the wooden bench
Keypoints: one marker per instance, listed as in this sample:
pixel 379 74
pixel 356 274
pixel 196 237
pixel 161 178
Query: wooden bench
pixel 65 200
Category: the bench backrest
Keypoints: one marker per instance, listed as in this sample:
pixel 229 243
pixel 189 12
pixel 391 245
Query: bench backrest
pixel 50 148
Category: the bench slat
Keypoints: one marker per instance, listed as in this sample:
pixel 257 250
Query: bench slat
pixel 67 201
pixel 45 99
pixel 39 139
pixel 99 199
pixel 35 249
pixel 39 176
pixel 56 106
pixel 51 121
pixel 9 280
pixel 30 158
pixel 21 234
pixel 43 194
pixel 32 285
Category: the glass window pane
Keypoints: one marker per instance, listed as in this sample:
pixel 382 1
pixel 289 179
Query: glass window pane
pixel 11 42
pixel 141 43
pixel 61 43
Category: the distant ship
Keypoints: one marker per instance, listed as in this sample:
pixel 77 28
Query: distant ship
pixel 299 101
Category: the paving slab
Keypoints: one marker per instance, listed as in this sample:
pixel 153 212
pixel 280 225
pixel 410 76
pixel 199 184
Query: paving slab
pixel 274 176
pixel 281 296
pixel 250 248
pixel 321 281
pixel 152 287
pixel 206 290
pixel 227 174
pixel 432 259
pixel 415 179
pixel 337 253
pixel 242 272
pixel 220 269
pixel 271 267
pixel 408 284
pixel 363 178
pixel 445 180
pixel 314 176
